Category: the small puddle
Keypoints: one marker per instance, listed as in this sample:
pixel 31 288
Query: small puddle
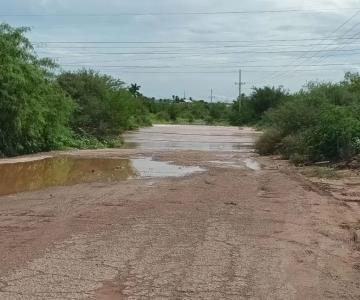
pixel 232 164
pixel 146 167
pixel 252 164
pixel 66 171
pixel 239 164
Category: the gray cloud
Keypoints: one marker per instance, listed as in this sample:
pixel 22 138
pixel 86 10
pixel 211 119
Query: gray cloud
pixel 218 62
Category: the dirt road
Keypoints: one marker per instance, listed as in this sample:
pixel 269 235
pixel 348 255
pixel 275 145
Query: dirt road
pixel 235 227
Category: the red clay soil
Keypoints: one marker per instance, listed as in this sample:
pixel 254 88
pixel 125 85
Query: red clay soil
pixel 228 233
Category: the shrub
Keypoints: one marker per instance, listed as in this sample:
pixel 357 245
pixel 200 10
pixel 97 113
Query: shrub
pixel 294 147
pixel 104 105
pixel 34 111
pixel 257 104
pixel 269 142
pixel 335 135
pixel 163 116
pixel 320 123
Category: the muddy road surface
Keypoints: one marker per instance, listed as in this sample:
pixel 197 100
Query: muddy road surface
pixel 185 212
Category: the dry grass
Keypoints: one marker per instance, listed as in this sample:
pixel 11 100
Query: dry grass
pixel 321 172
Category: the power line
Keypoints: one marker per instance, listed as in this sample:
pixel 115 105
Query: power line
pixel 207 66
pixel 338 48
pixel 193 41
pixel 215 71
pixel 324 56
pixel 243 12
pixel 185 48
pixel 337 29
pixel 156 59
pixel 217 53
pixel 92 62
pixel 182 72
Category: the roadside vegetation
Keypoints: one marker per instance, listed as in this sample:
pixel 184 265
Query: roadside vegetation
pixel 319 123
pixel 104 108
pixel 43 109
pixel 193 112
pixel 34 111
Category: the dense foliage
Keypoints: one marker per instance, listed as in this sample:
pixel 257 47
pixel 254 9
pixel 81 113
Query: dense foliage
pixel 34 111
pixel 104 106
pixel 41 111
pixel 252 108
pixel 321 122
pixel 193 112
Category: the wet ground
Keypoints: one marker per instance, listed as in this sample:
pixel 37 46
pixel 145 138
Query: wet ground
pixel 197 138
pixel 66 170
pixel 69 170
pixel 61 171
pixel 189 213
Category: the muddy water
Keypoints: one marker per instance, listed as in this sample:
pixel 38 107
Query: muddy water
pixel 252 164
pixel 148 168
pixel 203 138
pixel 66 171
pixel 61 171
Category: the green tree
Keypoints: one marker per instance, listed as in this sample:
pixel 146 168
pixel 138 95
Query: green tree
pixel 254 106
pixel 34 111
pixel 321 122
pixel 104 104
pixel 134 89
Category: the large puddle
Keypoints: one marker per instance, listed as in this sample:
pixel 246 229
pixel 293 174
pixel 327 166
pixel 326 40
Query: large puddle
pixel 67 171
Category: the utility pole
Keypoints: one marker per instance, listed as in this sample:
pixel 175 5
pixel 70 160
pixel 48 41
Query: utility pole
pixel 240 83
pixel 211 97
pixel 240 88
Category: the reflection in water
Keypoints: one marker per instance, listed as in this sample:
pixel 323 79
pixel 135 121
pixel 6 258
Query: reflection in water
pixel 252 164
pixel 150 168
pixel 61 171
pixel 67 170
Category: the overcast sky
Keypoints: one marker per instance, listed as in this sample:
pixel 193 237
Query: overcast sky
pixel 196 52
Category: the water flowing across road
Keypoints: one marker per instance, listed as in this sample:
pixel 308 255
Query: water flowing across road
pixel 187 137
pixel 186 212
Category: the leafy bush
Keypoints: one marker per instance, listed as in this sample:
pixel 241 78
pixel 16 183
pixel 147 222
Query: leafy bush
pixel 319 123
pixel 84 109
pixel 172 111
pixel 42 112
pixel 252 108
pixel 269 142
pixel 104 105
pixel 34 111
pixel 335 134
